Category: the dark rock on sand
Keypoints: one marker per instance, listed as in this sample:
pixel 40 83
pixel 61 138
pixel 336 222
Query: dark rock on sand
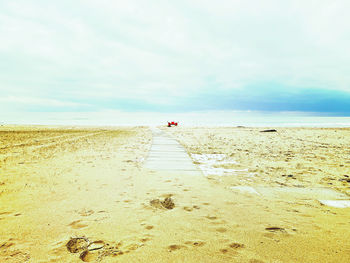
pixel 274 229
pixel 272 130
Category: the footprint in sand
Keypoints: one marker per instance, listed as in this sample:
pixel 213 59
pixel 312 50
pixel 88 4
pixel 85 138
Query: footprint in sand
pixel 224 250
pixel 156 203
pixel 132 247
pixel 77 225
pixel 92 251
pixel 195 243
pixel 4 213
pixel 272 231
pixel 88 256
pixel 236 245
pixel 256 261
pixel 175 247
pixel 221 229
pixel 232 248
pixel 167 203
pixel 77 244
pixel 86 212
pixel 9 252
pixel 189 209
pixel 6 245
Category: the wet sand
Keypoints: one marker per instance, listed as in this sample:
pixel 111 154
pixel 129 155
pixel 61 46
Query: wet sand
pixel 83 195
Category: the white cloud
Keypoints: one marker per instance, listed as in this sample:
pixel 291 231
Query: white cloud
pixel 163 51
pixel 20 101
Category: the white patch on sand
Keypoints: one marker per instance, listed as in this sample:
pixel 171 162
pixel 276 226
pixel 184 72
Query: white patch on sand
pixel 140 160
pixel 245 189
pixel 206 163
pixel 208 158
pixel 301 193
pixel 336 203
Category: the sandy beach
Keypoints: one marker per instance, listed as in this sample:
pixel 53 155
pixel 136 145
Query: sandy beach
pixel 74 194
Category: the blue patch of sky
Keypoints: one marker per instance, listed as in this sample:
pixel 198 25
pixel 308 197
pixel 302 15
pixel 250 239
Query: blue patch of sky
pixel 263 97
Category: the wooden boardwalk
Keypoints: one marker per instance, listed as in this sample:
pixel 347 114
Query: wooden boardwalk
pixel 166 154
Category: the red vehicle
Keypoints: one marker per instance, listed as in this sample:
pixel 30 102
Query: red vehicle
pixel 172 123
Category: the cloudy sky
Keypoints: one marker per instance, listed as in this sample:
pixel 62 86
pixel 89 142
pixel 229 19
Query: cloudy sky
pixel 174 56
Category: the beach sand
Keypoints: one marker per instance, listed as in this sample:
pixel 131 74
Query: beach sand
pixel 83 195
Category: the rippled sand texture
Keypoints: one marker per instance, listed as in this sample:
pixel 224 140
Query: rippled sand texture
pixel 278 178
pixel 84 195
pixel 288 157
pixel 58 183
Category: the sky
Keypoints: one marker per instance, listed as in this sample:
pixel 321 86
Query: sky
pixel 83 56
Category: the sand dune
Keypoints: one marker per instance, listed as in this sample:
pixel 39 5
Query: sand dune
pixel 83 195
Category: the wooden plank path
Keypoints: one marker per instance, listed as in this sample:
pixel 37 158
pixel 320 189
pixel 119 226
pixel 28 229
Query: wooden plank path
pixel 166 154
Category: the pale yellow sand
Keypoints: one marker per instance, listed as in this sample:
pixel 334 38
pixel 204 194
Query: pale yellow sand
pixel 61 183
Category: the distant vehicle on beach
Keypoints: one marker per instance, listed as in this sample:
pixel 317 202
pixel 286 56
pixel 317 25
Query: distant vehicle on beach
pixel 172 123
